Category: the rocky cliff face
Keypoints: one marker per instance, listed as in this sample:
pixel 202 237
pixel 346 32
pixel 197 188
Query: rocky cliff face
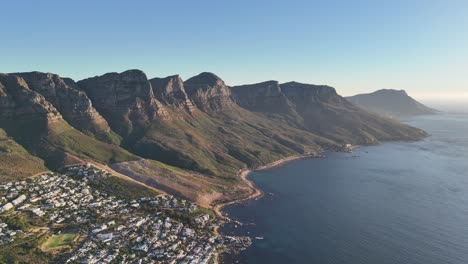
pixel 18 102
pixel 171 92
pixel 217 130
pixel 25 114
pixel 264 97
pixel 125 99
pixel 302 95
pixel 74 105
pixel 209 92
pixel 330 115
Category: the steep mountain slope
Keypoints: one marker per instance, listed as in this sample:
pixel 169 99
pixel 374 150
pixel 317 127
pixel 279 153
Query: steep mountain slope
pixel 267 98
pixel 226 129
pixel 209 92
pixel 219 137
pixel 194 136
pixel 326 113
pixel 38 126
pixel 73 104
pixel 171 92
pixel 394 103
pixel 125 99
pixel 16 162
pixel 321 111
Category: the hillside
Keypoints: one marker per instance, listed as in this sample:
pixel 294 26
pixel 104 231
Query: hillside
pixel 31 120
pixel 393 103
pixel 189 138
pixel 16 162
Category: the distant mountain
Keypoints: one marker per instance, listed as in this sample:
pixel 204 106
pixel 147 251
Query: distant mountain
pixel 394 103
pixel 187 138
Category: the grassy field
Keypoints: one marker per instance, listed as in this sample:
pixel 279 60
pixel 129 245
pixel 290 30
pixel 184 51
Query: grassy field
pixel 24 249
pixel 58 241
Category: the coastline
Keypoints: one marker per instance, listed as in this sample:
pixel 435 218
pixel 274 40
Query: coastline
pixel 256 192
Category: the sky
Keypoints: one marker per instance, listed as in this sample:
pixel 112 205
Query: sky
pixel 356 46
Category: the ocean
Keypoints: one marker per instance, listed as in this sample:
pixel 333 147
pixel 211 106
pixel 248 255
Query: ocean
pixel 399 202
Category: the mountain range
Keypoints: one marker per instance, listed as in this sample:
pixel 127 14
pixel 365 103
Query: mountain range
pixel 392 103
pixel 190 138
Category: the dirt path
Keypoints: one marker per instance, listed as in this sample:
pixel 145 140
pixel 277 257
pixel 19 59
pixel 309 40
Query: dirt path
pixel 125 177
pixel 117 174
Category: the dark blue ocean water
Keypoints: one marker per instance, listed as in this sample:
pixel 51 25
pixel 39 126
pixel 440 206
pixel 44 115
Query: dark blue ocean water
pixel 393 203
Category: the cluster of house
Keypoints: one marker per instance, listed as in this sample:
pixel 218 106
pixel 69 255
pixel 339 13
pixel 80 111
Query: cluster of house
pixel 122 230
pixel 6 235
pixel 147 238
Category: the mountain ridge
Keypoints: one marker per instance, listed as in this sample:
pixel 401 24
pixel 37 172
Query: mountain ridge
pixel 171 133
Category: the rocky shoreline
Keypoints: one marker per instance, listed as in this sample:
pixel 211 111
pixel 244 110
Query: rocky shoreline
pixel 256 193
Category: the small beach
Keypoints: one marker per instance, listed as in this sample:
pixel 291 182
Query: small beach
pixel 256 192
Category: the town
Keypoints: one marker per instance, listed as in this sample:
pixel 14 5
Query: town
pixel 76 222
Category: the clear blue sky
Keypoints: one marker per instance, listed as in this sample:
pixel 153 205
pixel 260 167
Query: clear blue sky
pixel 355 46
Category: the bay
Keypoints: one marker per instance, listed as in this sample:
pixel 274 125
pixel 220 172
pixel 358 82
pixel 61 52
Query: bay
pixel 399 202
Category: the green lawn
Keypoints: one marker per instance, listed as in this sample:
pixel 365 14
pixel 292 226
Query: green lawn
pixel 58 241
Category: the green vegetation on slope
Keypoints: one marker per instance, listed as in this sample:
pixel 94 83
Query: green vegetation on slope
pixel 221 144
pixel 15 161
pixel 122 188
pixel 63 137
pixel 109 137
pixel 25 249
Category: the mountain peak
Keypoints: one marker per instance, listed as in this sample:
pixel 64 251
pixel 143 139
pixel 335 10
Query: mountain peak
pixel 74 105
pixel 133 72
pixel 208 92
pixel 391 91
pixel 205 78
pixel 128 75
pixel 323 91
pixel 265 97
pixel 170 91
pixel 18 101
pixel 125 99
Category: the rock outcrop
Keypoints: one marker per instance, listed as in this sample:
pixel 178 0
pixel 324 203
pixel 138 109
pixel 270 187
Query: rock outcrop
pixel 209 92
pixel 170 91
pixel 266 97
pixel 302 95
pixel 74 105
pixel 19 103
pixel 125 99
